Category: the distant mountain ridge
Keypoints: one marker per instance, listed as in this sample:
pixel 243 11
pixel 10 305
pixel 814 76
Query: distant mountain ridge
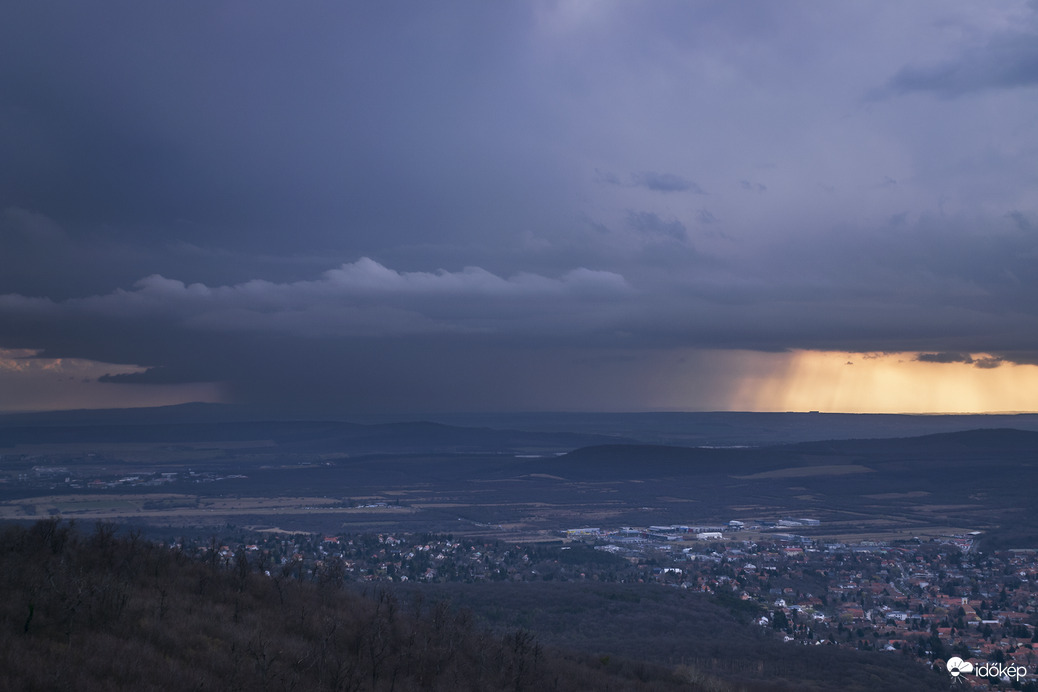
pixel 682 429
pixel 301 436
pixel 628 461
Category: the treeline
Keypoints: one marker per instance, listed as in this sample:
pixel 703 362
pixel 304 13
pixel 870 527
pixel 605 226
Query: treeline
pixel 706 635
pixel 100 611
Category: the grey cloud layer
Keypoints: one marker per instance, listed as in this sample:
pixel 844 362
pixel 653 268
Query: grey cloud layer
pixel 459 336
pixel 983 363
pixel 363 298
pixel 903 289
pixel 595 179
pixel 1007 60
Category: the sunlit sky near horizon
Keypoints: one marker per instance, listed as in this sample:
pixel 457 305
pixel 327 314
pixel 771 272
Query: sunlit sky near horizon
pixel 528 206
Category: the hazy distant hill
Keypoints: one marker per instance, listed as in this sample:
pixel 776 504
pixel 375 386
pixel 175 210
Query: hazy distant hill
pixel 1002 447
pixel 687 429
pixel 719 428
pixel 301 436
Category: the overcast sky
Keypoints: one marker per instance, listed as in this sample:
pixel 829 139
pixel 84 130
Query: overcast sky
pixel 413 206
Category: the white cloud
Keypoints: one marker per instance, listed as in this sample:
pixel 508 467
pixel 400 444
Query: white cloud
pixel 362 297
pixel 368 275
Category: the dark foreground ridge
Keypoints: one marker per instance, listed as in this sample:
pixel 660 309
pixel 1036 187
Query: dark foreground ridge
pixel 101 612
pixel 104 613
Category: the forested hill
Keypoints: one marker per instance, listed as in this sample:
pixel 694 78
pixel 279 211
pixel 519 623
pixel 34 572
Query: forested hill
pixel 104 613
pixel 943 451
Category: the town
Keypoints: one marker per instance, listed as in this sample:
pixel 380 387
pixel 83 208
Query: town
pixel 930 599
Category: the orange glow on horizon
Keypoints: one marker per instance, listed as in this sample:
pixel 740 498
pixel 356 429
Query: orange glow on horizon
pixel 833 381
pixel 31 383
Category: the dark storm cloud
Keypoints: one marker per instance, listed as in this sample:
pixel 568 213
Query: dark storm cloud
pixel 386 336
pixel 944 358
pixel 665 182
pixel 704 216
pixel 1022 221
pixel 887 293
pixel 651 180
pixel 607 178
pixel 1008 60
pixel 898 219
pixel 199 189
pixel 234 122
pixel 986 363
pixel 359 299
pixel 648 222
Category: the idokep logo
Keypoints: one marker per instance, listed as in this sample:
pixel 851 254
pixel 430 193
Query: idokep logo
pixel 956 667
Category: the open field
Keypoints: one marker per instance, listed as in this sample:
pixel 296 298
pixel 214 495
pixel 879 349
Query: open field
pixel 857 490
pixel 180 509
pixel 515 520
